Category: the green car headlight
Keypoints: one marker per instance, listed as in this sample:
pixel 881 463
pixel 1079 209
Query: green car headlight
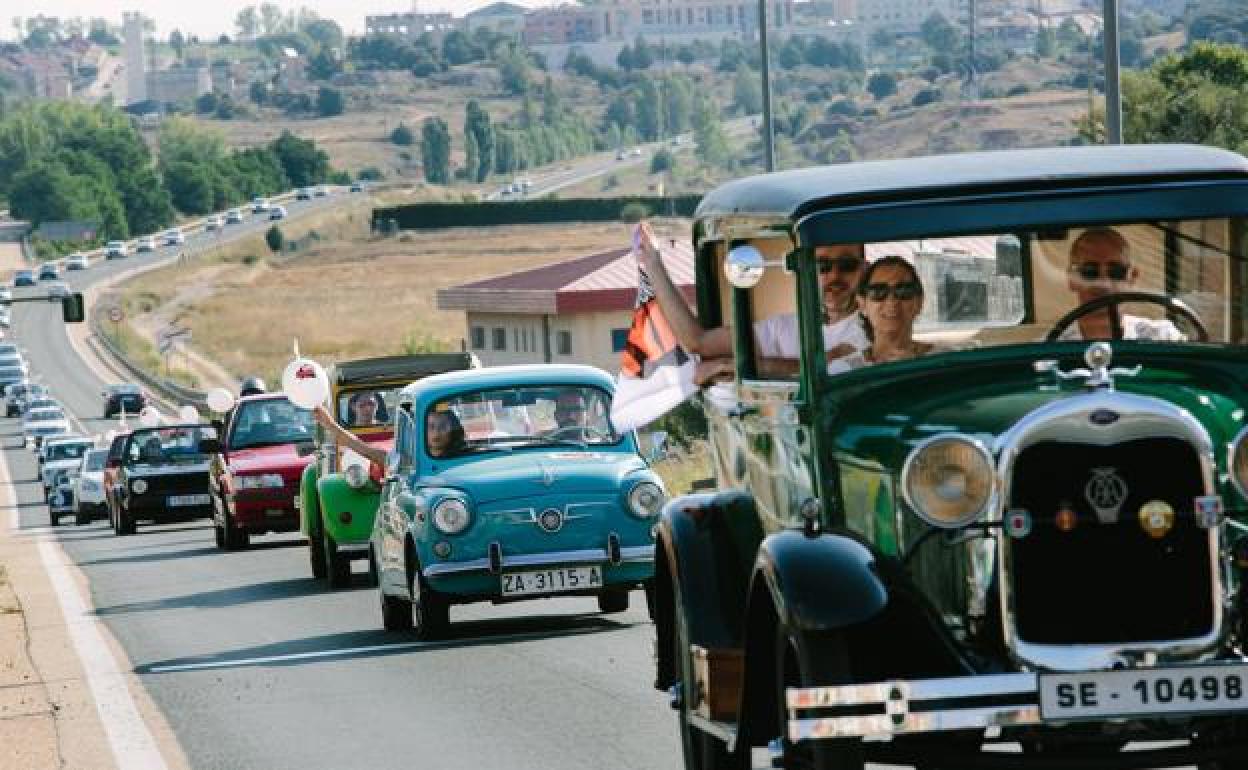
pixel 949 480
pixel 1237 461
pixel 451 516
pixel 356 475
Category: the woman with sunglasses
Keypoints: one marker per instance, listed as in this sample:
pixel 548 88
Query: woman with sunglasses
pixel 889 298
pixel 775 337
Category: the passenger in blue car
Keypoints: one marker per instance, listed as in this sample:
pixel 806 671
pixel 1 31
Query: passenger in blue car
pixel 444 435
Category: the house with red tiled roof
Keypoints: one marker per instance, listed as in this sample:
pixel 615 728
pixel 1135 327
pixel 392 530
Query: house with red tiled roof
pixel 576 311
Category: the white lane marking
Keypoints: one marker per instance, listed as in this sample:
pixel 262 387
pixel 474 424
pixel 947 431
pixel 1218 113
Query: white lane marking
pixel 133 745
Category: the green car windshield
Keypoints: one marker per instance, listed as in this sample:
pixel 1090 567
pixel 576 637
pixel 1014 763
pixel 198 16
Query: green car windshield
pixel 1015 287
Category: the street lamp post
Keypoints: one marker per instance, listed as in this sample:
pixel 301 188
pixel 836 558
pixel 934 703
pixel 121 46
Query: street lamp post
pixel 1113 91
pixel 769 140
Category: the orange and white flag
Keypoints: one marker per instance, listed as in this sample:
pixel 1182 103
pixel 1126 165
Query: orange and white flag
pixel 656 374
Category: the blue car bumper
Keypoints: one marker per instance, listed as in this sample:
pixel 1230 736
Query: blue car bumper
pixel 476 577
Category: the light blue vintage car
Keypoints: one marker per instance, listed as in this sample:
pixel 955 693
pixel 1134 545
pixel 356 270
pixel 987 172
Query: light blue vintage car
pixel 509 483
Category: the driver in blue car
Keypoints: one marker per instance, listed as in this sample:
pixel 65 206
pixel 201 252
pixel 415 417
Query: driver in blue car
pixel 1100 265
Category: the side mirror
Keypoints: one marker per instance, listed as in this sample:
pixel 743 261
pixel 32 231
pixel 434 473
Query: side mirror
pixel 407 503
pixel 305 449
pixel 658 446
pixel 209 446
pixel 743 267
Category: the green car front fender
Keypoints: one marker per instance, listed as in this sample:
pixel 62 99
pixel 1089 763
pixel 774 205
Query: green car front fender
pixel 347 513
pixel 309 502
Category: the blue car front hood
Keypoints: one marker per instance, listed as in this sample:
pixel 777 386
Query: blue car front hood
pixel 528 472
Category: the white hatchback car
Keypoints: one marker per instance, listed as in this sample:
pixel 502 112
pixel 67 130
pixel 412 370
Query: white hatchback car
pixel 89 500
pixel 43 424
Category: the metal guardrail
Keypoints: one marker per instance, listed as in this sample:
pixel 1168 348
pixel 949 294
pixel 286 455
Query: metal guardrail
pixel 169 391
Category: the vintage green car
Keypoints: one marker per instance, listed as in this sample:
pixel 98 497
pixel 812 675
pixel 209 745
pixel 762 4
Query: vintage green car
pixel 1028 531
pixel 337 495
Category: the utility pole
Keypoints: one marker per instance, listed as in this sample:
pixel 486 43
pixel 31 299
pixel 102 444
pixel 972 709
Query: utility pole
pixel 769 136
pixel 1113 91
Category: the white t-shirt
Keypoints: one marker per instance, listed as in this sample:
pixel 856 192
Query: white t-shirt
pixel 777 337
pixel 1137 328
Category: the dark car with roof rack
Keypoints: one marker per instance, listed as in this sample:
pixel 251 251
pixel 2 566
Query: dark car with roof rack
pixel 1030 530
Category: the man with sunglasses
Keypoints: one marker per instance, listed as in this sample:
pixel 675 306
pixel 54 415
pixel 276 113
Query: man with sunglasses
pixel 776 337
pixel 1100 265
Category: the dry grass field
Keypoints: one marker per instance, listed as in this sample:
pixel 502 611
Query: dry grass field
pixel 349 297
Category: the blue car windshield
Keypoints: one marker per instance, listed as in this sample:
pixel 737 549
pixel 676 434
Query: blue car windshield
pixel 531 415
pixel 169 445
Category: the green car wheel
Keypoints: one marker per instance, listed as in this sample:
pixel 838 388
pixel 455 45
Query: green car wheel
pixel 337 564
pixel 316 556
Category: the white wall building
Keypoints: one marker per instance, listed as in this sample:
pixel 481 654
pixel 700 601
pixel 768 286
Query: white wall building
pixel 135 55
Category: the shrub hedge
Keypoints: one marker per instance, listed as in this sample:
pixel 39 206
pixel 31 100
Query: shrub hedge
pixel 433 216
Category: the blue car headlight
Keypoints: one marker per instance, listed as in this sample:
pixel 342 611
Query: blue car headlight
pixel 645 499
pixel 451 516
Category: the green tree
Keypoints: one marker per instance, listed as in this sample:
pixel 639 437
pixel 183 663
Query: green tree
pixel 324 65
pixel 647 109
pixel 192 188
pixel 303 162
pixel 436 150
pixel 274 238
pixel 661 161
pixel 1046 43
pixel 402 135
pixel 1199 97
pixel 678 99
pixel 329 101
pixel 514 70
pixel 477 125
pixel 747 91
pixel 938 33
pixel 708 134
pixel 177 41
pixel 882 85
pixel 247 22
pixel 552 108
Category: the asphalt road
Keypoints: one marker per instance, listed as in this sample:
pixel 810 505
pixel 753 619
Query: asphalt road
pixel 254 664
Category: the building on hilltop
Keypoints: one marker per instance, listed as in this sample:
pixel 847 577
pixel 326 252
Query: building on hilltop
pixel 578 311
pixel 411 26
pixel 501 18
pixel 626 19
pixel 562 24
pixel 178 86
pixel 135 54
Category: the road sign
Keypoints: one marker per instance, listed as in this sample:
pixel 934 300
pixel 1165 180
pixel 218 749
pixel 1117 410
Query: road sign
pixel 116 314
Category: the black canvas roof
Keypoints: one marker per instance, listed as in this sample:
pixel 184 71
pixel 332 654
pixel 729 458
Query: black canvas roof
pixel 398 367
pixel 795 193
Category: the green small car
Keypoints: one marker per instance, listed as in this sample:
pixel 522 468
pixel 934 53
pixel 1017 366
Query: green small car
pixel 338 495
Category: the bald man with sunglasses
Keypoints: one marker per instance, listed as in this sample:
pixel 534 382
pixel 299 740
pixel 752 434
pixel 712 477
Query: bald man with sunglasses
pixel 776 337
pixel 1100 265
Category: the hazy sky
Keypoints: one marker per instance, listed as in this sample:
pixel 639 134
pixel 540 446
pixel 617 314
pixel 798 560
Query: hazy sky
pixel 217 16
